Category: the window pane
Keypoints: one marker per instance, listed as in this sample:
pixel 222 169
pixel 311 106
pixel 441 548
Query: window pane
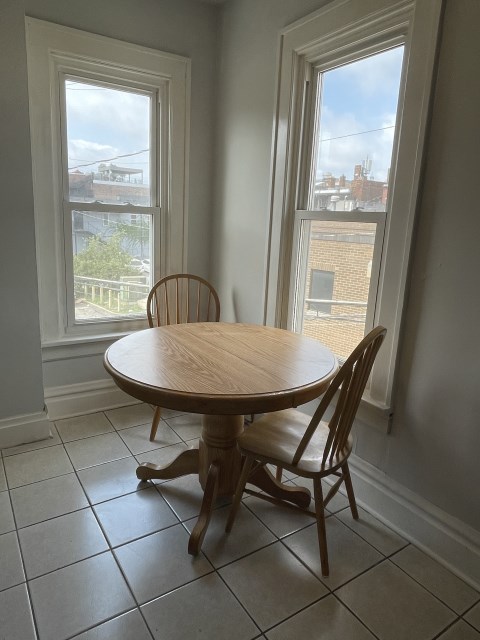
pixel 337 282
pixel 357 108
pixel 108 139
pixel 111 264
pixel 321 290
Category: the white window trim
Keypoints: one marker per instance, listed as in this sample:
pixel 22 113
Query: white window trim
pixel 362 23
pixel 51 50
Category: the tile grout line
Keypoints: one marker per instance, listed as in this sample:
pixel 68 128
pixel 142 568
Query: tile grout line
pixel 110 550
pixel 157 486
pixel 425 587
pixel 27 585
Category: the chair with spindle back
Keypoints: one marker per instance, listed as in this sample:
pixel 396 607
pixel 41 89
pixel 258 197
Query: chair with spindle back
pixel 312 448
pixel 178 299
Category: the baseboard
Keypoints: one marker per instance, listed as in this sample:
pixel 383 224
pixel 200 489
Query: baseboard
pixel 87 397
pixel 24 428
pixel 450 541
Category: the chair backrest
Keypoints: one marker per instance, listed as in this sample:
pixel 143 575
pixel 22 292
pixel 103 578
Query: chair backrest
pixel 352 378
pixel 182 298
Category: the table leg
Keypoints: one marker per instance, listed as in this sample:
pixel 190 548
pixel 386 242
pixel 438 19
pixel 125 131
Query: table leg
pixel 187 462
pixel 219 468
pixel 208 503
pixel 264 480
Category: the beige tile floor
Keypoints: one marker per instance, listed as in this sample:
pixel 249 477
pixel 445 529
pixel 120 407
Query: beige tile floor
pixel 88 552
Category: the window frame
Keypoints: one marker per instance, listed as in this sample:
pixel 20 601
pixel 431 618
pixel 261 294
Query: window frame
pixel 157 95
pixel 342 31
pixel 55 53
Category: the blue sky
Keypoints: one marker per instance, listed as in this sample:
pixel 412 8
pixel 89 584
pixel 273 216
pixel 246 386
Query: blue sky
pixel 355 99
pixel 105 123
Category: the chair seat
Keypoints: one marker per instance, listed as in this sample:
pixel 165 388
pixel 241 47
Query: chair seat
pixel 276 437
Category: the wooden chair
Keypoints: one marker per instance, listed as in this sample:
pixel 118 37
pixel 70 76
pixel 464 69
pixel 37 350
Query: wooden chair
pixel 312 448
pixel 178 299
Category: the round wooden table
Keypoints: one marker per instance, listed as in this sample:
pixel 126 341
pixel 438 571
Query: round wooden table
pixel 223 371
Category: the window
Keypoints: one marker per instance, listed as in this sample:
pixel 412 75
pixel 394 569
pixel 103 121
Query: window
pixel 354 89
pixel 102 120
pixel 321 291
pixel 349 144
pixel 109 144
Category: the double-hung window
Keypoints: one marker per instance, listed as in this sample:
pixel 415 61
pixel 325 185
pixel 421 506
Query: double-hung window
pixel 109 157
pixel 338 236
pixel 353 96
pixel 109 149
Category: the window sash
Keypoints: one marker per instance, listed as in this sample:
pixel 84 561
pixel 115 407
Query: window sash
pixel 300 254
pixel 156 94
pixel 69 207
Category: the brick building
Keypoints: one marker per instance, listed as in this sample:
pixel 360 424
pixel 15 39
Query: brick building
pixel 339 263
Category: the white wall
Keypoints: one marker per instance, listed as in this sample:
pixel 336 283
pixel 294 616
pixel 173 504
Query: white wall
pixel 250 31
pixel 434 445
pixel 21 387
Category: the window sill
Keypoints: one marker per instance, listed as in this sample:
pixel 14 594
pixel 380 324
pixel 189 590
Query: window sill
pixel 375 414
pixel 79 346
pixel 371 413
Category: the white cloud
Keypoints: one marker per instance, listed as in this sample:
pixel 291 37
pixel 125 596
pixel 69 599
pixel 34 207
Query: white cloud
pixel 340 151
pixel 105 123
pixel 83 152
pixel 376 75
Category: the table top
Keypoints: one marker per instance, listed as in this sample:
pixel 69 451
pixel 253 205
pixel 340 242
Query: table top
pixel 220 368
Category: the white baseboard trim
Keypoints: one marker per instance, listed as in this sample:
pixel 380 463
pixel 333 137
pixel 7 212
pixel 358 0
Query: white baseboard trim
pixel 85 397
pixel 450 541
pixel 24 428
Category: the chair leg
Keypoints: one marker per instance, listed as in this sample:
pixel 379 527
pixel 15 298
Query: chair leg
pixel 155 421
pixel 349 487
pixel 322 534
pixel 242 481
pixel 278 474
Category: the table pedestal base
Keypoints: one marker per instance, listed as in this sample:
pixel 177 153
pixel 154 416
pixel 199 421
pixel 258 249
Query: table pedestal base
pixel 183 465
pixel 218 462
pixel 219 444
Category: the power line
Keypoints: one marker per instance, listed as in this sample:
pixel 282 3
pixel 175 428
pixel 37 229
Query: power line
pixel 125 155
pixel 142 162
pixel 359 133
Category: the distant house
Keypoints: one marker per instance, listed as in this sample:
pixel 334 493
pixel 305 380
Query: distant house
pixel 110 185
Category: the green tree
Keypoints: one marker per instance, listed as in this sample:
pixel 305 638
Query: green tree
pixel 136 235
pixel 104 260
